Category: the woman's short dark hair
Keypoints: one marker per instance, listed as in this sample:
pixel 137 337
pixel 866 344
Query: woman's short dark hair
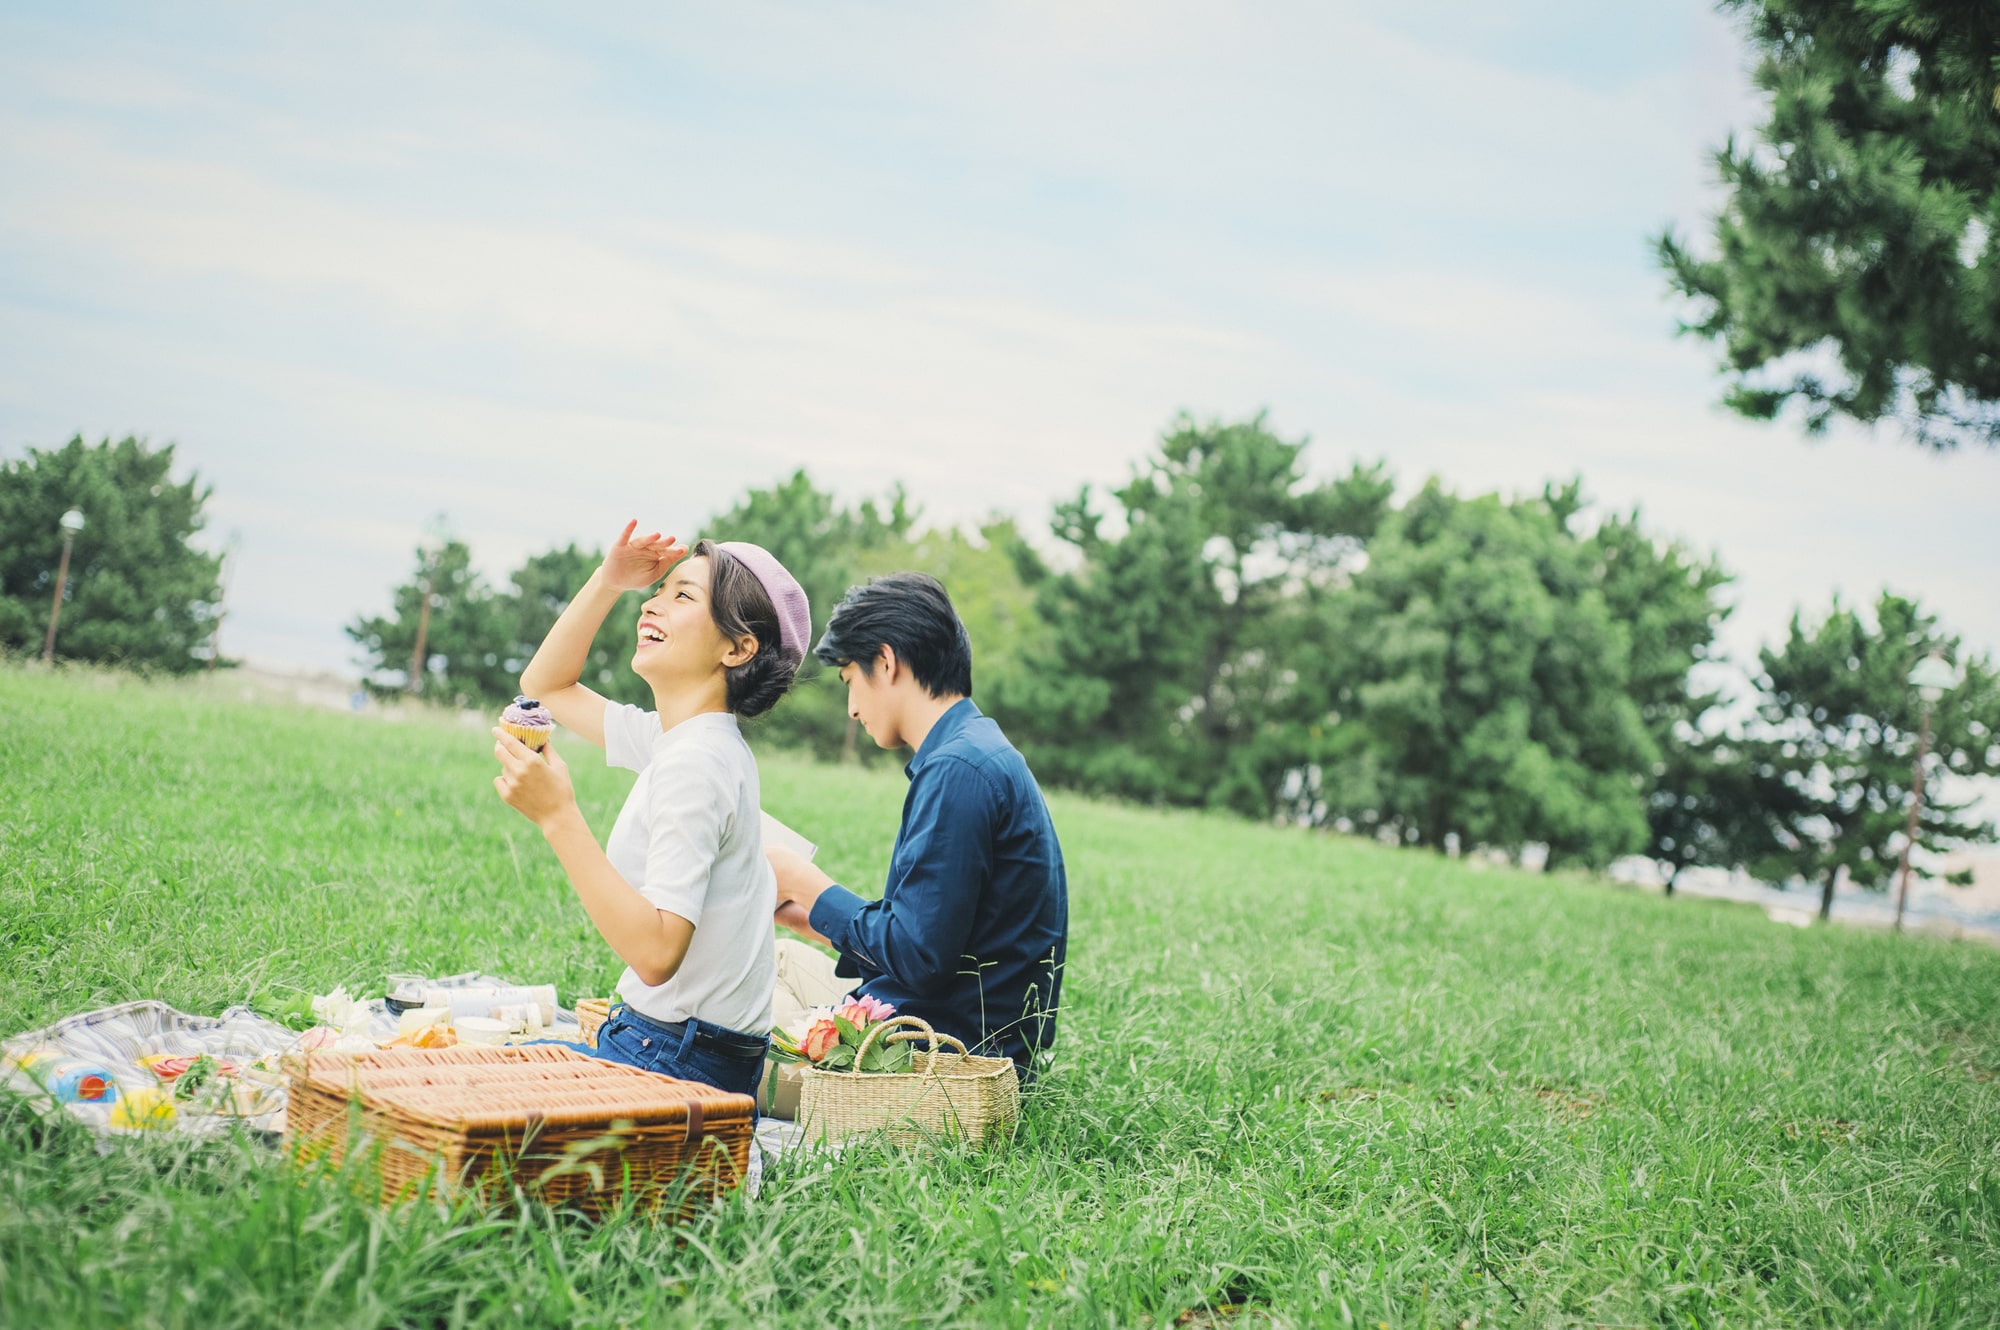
pixel 910 614
pixel 741 607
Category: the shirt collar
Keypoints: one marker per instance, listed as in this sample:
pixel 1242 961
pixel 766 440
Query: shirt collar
pixel 695 724
pixel 956 717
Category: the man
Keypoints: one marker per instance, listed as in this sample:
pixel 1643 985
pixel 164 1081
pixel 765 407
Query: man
pixel 973 925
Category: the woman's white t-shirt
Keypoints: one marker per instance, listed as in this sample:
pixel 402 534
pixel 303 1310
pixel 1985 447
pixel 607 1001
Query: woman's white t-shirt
pixel 689 840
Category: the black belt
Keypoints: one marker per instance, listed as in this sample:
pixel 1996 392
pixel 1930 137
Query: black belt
pixel 707 1034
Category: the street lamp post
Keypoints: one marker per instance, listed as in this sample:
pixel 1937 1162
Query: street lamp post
pixel 71 522
pixel 1931 678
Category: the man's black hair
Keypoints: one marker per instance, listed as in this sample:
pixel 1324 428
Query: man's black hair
pixel 911 615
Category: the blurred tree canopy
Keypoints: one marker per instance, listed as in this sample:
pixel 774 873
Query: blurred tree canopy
pixel 1852 269
pixel 467 646
pixel 1837 755
pixel 138 592
pixel 1181 650
pixel 1487 691
pixel 1229 630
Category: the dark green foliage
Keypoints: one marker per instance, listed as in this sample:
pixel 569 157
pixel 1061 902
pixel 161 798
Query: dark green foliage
pixel 1181 649
pixel 1710 807
pixel 1666 599
pixel 1843 729
pixel 137 594
pixel 984 574
pixel 469 654
pixel 1859 229
pixel 1486 685
pixel 1477 672
pixel 480 639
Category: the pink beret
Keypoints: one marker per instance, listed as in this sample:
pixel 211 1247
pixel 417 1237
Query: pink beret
pixel 787 596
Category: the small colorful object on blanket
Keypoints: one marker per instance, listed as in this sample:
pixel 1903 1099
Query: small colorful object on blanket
pixel 201 1074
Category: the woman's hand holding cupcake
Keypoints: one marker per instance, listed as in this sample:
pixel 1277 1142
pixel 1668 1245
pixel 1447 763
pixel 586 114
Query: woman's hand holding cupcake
pixel 536 785
pixel 635 564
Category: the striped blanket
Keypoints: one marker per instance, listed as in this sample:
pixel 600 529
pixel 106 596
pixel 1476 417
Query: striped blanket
pixel 117 1039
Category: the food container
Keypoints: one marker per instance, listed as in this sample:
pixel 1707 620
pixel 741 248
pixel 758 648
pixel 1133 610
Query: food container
pixel 526 1118
pixel 416 1018
pixel 480 1030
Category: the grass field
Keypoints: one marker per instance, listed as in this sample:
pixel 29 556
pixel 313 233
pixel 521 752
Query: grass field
pixel 1301 1079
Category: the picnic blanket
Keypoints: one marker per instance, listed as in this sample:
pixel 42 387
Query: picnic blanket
pixel 118 1039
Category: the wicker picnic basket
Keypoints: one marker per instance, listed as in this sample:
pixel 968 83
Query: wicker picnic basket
pixel 957 1094
pixel 591 1013
pixel 537 1116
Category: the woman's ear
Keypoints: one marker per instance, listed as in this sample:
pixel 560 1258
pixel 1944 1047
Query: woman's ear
pixel 740 651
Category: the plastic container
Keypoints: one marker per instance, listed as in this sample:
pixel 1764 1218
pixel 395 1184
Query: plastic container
pixel 71 1080
pixel 481 1000
pixel 405 992
pixel 480 1030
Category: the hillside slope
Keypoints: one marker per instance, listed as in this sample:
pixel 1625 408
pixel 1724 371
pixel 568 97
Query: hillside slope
pixel 1299 1072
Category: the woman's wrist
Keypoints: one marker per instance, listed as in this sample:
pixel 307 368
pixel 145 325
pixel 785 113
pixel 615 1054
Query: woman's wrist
pixel 598 585
pixel 564 822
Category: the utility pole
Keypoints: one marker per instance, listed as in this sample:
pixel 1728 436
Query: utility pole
pixel 416 685
pixel 71 522
pixel 1931 678
pixel 438 529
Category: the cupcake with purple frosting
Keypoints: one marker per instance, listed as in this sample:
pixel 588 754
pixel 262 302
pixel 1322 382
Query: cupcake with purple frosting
pixel 529 721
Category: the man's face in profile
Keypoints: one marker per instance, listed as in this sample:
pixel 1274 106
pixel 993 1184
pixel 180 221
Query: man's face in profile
pixel 871 699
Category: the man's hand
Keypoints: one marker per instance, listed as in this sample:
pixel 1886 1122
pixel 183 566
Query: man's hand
pixel 792 915
pixel 536 785
pixel 635 564
pixel 799 883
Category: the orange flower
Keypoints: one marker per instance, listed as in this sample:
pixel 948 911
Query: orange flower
pixel 820 1039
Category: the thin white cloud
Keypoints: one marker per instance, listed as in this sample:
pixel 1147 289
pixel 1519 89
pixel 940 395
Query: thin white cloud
pixel 546 277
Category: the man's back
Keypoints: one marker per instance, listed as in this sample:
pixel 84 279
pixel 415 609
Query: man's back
pixel 971 931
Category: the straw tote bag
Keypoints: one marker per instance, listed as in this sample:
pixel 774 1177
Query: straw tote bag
pixel 952 1094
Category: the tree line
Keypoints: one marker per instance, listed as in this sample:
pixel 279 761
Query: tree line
pixel 1224 630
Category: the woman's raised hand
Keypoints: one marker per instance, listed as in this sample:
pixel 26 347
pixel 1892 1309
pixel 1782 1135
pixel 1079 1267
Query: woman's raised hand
pixel 635 563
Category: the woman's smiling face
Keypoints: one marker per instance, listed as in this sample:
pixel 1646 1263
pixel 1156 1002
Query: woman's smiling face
pixel 679 643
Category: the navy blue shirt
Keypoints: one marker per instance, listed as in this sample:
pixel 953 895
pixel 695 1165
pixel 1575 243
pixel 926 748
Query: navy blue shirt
pixel 971 931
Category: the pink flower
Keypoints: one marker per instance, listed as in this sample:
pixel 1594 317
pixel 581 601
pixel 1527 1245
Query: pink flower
pixel 863 1011
pixel 820 1040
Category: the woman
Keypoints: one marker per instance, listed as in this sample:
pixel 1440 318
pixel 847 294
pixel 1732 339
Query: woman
pixel 680 889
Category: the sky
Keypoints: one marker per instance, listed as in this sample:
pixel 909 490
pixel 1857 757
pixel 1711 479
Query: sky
pixel 540 272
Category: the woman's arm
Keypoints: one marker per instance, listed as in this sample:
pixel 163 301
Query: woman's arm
pixel 552 676
pixel 652 941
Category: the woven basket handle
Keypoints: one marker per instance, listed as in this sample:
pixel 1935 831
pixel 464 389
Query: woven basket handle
pixel 922 1030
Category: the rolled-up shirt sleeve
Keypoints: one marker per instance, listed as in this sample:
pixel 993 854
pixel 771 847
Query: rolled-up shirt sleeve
pixel 917 931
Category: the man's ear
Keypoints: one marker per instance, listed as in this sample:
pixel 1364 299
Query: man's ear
pixel 886 664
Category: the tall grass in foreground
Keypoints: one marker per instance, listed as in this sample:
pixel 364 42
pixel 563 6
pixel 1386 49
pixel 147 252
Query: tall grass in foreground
pixel 1299 1077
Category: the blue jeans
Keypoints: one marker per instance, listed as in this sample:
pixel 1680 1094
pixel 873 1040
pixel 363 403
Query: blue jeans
pixel 691 1050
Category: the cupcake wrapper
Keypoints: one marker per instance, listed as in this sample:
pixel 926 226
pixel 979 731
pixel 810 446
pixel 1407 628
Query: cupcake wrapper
pixel 534 736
